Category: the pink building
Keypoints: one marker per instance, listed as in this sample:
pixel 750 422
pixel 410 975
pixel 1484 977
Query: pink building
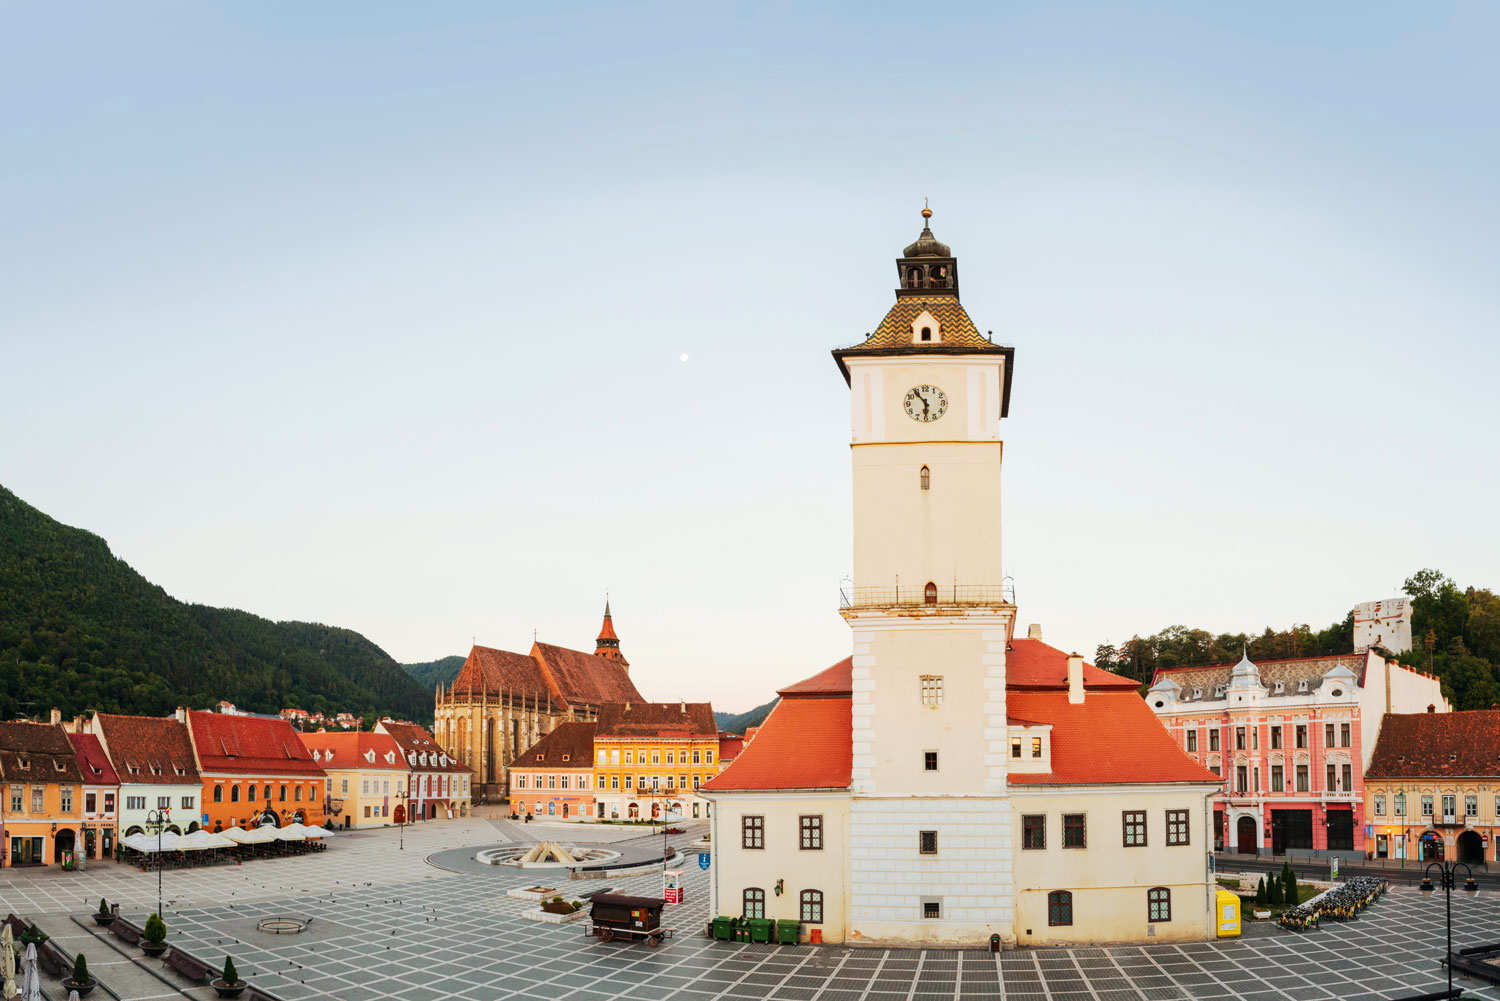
pixel 1292 739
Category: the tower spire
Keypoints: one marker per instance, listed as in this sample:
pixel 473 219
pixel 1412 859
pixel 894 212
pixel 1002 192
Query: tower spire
pixel 608 643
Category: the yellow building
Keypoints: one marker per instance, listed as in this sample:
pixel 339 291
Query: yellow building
pixel 1432 790
pixel 651 758
pixel 43 794
pixel 367 782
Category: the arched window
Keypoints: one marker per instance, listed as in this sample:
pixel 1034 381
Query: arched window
pixel 926 333
pixel 283 793
pixel 812 907
pixel 1159 904
pixel 913 277
pixel 754 902
pixel 297 793
pixel 218 794
pixel 926 478
pixel 234 794
pixel 1059 908
pixel 929 593
pixel 250 793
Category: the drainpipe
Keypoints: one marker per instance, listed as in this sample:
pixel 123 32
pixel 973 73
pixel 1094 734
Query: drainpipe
pixel 1210 890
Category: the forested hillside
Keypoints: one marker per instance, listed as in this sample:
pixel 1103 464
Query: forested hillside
pixel 738 722
pixel 1455 635
pixel 435 672
pixel 79 629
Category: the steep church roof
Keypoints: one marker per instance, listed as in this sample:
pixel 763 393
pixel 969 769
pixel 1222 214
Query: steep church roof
pixel 567 677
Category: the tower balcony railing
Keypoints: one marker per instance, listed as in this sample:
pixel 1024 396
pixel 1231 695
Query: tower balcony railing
pixel 929 595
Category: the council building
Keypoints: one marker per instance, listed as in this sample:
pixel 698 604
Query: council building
pixel 954 782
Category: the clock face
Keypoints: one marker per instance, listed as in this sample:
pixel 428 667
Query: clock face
pixel 925 403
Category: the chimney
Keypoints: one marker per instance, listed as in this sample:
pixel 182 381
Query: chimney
pixel 55 717
pixel 684 707
pixel 181 714
pixel 1034 631
pixel 1431 708
pixel 1075 678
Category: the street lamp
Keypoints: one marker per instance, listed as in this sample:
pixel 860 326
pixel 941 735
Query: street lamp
pixel 1447 873
pixel 159 818
pixel 403 798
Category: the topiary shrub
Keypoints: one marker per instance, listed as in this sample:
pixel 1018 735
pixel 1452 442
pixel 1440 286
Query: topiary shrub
pixel 231 975
pixel 155 932
pixel 103 906
pixel 80 970
pixel 1291 885
pixel 1273 892
pixel 1260 892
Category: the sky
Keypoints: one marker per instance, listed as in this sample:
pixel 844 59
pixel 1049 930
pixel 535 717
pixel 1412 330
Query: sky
pixel 376 314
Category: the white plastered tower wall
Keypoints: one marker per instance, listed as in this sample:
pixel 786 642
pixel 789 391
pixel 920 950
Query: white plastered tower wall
pixel 1384 623
pixel 915 531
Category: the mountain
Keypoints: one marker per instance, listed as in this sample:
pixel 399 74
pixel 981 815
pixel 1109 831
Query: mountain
pixel 732 723
pixel 432 673
pixel 79 629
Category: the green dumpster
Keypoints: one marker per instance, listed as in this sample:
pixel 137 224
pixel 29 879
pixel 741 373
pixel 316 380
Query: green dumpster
pixel 723 928
pixel 761 929
pixel 788 932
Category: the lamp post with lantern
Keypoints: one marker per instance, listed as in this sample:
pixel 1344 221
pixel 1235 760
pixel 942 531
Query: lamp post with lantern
pixel 1448 875
pixel 159 819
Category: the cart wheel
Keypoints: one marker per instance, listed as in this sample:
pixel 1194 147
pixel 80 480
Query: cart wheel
pixel 606 934
pixel 653 940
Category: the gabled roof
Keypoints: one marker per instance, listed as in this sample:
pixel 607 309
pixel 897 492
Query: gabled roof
pixel 414 739
pixel 497 671
pixel 803 744
pixel 582 677
pixel 657 719
pixel 344 750
pixel 570 745
pixel 93 763
pixel 1034 664
pixel 243 744
pixel 148 749
pixel 1437 745
pixel 37 752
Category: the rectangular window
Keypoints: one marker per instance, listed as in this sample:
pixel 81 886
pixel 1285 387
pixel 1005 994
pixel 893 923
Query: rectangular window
pixel 932 689
pixel 67 799
pixel 629 757
pixel 1015 747
pixel 564 782
pixel 752 832
pixel 753 903
pixel 1348 774
pixel 601 780
pixel 1059 908
pixel 1275 738
pixel 1177 827
pixel 1426 806
pixel 1134 822
pixel 695 781
pixel 697 755
pixel 1450 806
pixel 1255 779
pixel 367 811
pixel 90 802
pixel 1213 740
pixel 1333 782
pixel 671 757
pixel 1255 738
pixel 1033 831
pixel 1301 734
pixel 1343 734
pixel 1239 738
pixel 1275 777
pixel 812 833
pixel 1036 747
pixel 655 756
pixel 187 802
pixel 1215 769
pixel 17 799
pixel 628 780
pixel 551 781
pixel 1241 778
pixel 1327 734
pixel 520 780
pixel 811 910
pixel 1159 904
pixel 109 802
pixel 1471 806
pixel 932 910
pixel 614 781
pixel 36 799
pixel 929 761
pixel 1192 741
pixel 1073 830
pixel 1302 778
pixel 708 757
pixel 364 786
pixel 927 842
pixel 1380 806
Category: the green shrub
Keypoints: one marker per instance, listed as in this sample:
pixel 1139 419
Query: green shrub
pixel 103 906
pixel 1291 884
pixel 80 970
pixel 557 899
pixel 1260 892
pixel 231 975
pixel 155 932
pixel 577 905
pixel 1273 892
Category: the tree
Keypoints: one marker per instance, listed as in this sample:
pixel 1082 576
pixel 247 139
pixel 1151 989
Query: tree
pixel 1260 892
pixel 1273 891
pixel 1291 884
pixel 231 975
pixel 80 970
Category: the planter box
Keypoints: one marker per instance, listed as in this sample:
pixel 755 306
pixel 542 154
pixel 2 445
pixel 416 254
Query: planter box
pixel 536 893
pixel 555 919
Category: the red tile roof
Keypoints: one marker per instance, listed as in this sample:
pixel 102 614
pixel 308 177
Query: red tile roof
pixel 148 749
pixel 836 680
pixel 37 752
pixel 93 763
pixel 657 719
pixel 582 677
pixel 249 744
pixel 730 745
pixel 571 745
pixel 1111 737
pixel 1437 745
pixel 497 671
pixel 1034 664
pixel 803 743
pixel 414 739
pixel 350 750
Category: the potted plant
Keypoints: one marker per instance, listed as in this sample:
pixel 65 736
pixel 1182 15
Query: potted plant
pixel 103 916
pixel 154 936
pixel 32 936
pixel 229 985
pixel 80 981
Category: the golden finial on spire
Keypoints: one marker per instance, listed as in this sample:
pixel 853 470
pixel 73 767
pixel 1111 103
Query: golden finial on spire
pixel 926 212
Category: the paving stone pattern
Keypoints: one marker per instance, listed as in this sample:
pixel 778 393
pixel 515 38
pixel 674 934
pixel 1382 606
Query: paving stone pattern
pixel 385 924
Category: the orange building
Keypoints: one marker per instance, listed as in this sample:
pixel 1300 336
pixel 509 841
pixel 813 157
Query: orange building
pixel 555 777
pixel 255 771
pixel 652 757
pixel 41 813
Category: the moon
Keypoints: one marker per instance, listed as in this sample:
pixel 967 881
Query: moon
pixel 684 357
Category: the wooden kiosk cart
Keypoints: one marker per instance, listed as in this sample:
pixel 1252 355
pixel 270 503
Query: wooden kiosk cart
pixel 615 916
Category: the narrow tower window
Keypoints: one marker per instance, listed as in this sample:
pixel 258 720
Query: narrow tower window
pixel 929 593
pixel 926 333
pixel 926 478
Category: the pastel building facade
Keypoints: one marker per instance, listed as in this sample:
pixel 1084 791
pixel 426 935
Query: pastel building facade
pixel 1289 740
pixel 440 785
pixel 41 816
pixel 652 758
pixel 554 777
pixel 367 777
pixel 99 824
pixel 255 771
pixel 153 758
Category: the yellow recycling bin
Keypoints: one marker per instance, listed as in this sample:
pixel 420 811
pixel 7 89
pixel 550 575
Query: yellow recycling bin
pixel 1228 913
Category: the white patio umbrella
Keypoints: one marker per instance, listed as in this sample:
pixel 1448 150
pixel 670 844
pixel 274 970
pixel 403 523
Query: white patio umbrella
pixel 235 834
pixel 201 840
pixel 292 832
pixel 314 832
pixel 31 980
pixel 8 962
pixel 259 836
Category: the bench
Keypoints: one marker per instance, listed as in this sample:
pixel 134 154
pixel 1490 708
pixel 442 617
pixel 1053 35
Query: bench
pixel 51 960
pixel 125 931
pixel 193 969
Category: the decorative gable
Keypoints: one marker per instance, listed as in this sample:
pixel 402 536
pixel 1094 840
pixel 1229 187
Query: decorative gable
pixel 925 329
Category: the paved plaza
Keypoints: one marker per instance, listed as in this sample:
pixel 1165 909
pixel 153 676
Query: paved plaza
pixel 388 923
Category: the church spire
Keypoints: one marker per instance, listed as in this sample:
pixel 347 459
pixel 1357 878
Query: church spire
pixel 608 644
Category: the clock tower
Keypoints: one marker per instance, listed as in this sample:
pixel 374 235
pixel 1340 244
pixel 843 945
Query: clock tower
pixel 932 618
